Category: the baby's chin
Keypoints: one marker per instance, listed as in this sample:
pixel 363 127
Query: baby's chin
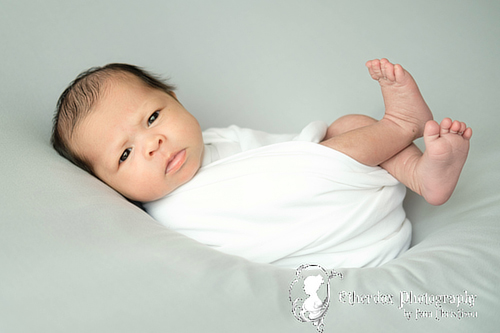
pixel 184 175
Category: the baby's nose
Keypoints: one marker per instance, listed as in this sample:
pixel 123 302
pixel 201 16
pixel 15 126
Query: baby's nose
pixel 154 145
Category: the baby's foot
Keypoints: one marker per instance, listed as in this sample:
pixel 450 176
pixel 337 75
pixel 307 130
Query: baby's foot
pixel 404 105
pixel 446 149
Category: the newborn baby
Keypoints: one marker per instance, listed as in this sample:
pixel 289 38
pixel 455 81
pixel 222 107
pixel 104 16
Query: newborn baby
pixel 330 196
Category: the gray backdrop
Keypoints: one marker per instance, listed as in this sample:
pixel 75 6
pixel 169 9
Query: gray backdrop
pixel 76 257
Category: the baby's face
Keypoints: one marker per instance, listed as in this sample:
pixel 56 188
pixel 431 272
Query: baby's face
pixel 140 141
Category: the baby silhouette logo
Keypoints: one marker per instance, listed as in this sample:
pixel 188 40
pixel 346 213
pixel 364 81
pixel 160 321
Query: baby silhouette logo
pixel 310 294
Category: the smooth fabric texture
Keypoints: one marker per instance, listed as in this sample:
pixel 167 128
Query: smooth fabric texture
pixel 289 204
pixel 224 142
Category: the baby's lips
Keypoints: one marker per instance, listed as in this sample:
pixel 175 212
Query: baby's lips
pixel 176 161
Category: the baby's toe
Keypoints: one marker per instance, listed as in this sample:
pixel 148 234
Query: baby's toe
pixel 431 129
pixel 467 133
pixel 455 127
pixel 445 125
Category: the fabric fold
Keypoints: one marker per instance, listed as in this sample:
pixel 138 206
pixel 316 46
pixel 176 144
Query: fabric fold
pixel 289 204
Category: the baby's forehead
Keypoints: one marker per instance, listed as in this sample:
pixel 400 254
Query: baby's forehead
pixel 109 87
pixel 127 83
pixel 124 80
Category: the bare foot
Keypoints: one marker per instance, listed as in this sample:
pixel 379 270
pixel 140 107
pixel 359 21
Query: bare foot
pixel 446 149
pixel 404 105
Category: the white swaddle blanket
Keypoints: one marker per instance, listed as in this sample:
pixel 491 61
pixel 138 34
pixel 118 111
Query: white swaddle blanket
pixel 289 204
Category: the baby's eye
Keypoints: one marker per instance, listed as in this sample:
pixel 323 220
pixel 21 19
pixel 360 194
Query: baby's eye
pixel 125 155
pixel 153 117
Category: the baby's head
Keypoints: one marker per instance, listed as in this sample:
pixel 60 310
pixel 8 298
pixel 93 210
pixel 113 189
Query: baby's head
pixel 126 127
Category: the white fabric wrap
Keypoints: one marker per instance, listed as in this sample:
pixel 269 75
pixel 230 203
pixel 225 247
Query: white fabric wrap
pixel 292 203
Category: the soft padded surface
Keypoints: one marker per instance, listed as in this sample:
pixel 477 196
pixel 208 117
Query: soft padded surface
pixel 76 257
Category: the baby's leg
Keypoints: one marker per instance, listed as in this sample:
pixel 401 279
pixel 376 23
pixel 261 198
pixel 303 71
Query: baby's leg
pixel 433 174
pixel 404 105
pixel 396 165
pixel 405 116
pixel 370 145
pixel 348 123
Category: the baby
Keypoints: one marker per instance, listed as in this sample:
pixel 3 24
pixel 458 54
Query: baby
pixel 126 127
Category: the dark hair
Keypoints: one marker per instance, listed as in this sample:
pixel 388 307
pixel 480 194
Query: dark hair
pixel 80 96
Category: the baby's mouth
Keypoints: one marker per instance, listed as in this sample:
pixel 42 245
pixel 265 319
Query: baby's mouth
pixel 176 161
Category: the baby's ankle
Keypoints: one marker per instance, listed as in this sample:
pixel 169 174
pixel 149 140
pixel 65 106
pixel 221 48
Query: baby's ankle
pixel 403 130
